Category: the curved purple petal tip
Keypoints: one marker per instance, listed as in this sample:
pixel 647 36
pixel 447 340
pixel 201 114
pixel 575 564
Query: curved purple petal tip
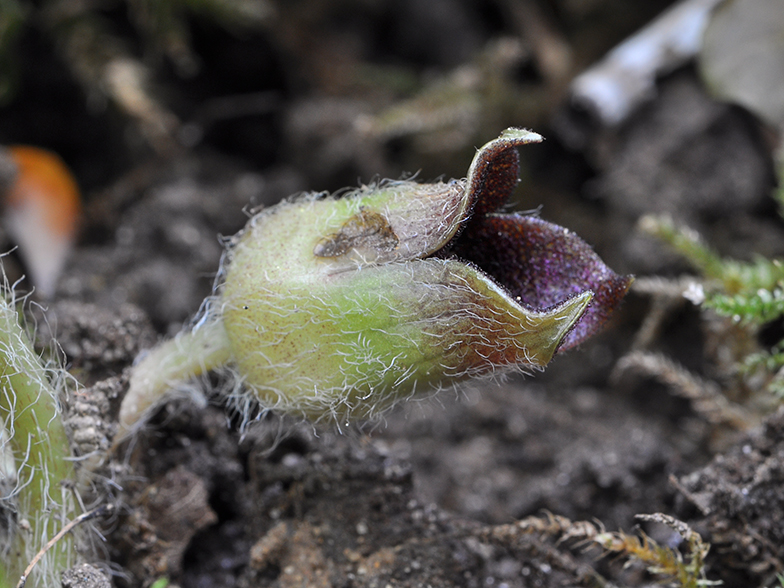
pixel 543 264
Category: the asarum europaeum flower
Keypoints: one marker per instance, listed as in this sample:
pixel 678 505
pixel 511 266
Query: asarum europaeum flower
pixel 337 307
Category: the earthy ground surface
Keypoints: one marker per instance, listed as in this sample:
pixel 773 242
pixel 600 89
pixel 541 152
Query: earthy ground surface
pixel 419 499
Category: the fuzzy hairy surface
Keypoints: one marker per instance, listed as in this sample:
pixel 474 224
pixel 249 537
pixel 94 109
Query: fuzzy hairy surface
pixel 35 500
pixel 341 337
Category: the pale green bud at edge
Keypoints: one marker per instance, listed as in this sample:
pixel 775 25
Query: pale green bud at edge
pixel 332 309
pixel 34 463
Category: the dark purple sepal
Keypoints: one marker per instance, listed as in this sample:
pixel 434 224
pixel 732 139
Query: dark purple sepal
pixel 543 264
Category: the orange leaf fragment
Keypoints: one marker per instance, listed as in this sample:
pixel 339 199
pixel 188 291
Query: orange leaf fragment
pixel 42 213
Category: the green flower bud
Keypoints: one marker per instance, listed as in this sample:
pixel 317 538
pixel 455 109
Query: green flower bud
pixel 337 307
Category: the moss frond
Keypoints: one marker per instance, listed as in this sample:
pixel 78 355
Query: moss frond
pixel 686 570
pixel 750 293
pixel 706 397
pixel 730 276
pixel 757 308
pixel 685 241
pixel 771 366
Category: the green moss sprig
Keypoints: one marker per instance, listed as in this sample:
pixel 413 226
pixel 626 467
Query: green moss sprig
pixel 757 308
pixel 751 294
pixel 725 277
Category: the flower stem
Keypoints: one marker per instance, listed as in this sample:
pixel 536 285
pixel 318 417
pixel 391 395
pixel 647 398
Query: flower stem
pixel 188 355
pixel 38 444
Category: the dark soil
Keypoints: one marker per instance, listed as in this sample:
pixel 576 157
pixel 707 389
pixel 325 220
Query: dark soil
pixel 414 500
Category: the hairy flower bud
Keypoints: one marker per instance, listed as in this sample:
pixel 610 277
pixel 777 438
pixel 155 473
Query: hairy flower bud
pixel 337 307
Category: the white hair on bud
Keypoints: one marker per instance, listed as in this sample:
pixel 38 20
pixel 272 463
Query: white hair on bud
pixel 21 475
